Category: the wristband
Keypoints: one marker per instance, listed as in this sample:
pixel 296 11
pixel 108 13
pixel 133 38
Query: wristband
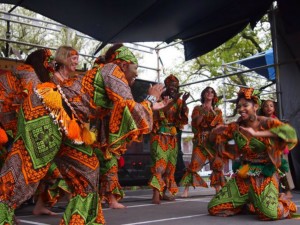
pixel 151 99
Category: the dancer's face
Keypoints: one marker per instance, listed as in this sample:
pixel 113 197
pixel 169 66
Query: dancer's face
pixel 246 109
pixel 172 89
pixel 268 108
pixel 72 63
pixel 209 94
pixel 130 71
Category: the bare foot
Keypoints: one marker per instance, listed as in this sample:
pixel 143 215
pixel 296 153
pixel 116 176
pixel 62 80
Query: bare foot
pixel 156 197
pixel 155 201
pixel 43 211
pixel 288 195
pixel 168 198
pixel 185 193
pixel 116 205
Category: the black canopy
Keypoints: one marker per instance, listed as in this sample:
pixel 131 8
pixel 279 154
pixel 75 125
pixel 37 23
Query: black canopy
pixel 202 24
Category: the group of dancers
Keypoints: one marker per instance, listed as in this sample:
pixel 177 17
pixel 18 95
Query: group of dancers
pixel 63 134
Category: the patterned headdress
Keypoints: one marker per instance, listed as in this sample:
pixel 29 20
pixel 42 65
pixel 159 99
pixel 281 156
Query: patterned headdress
pixel 171 78
pixel 249 94
pixel 123 53
pixel 48 60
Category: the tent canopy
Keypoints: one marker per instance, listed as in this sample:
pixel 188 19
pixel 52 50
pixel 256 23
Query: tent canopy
pixel 260 60
pixel 202 25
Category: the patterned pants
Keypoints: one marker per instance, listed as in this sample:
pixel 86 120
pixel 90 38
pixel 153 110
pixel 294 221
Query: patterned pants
pixel 164 150
pixel 25 167
pixel 192 178
pixel 109 181
pixel 259 192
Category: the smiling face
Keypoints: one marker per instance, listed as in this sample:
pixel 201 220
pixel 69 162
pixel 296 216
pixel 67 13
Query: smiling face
pixel 72 63
pixel 130 71
pixel 268 108
pixel 172 89
pixel 209 94
pixel 246 109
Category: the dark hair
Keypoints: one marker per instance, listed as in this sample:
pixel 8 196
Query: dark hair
pixel 109 54
pixel 264 102
pixel 202 98
pixel 36 59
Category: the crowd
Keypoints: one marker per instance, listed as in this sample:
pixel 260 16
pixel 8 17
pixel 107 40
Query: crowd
pixel 64 134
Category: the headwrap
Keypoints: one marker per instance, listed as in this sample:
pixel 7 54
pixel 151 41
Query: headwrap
pixel 249 94
pixel 73 52
pixel 48 60
pixel 171 78
pixel 123 53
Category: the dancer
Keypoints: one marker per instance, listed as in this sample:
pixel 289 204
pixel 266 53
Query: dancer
pixel 268 110
pixel 40 140
pixel 121 119
pixel 53 186
pixel 260 143
pixel 163 139
pixel 205 117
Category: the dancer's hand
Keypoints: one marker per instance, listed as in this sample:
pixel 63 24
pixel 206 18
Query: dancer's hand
pixel 166 102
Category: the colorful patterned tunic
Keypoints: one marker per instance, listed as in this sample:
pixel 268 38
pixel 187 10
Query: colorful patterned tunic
pixel 37 143
pixel 164 147
pixel 202 149
pixel 257 178
pixel 10 99
pixel 122 120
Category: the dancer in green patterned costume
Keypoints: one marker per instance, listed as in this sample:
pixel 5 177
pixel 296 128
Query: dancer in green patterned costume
pixel 42 138
pixel 122 120
pixel 163 140
pixel 260 142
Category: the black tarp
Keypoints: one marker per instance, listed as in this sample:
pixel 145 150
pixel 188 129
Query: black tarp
pixel 203 25
pixel 288 79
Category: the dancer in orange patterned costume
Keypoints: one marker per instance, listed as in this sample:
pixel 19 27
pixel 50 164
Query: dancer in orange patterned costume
pixel 122 120
pixel 164 146
pixel 42 138
pixel 205 117
pixel 260 143
pixel 286 180
pixel 11 97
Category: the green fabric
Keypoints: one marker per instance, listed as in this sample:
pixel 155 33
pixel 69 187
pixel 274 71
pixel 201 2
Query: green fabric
pixel 286 133
pixel 229 194
pixel 86 207
pixel 6 214
pixel 106 165
pixel 239 139
pixel 254 144
pixel 236 165
pixel 168 155
pixel 86 149
pixel 284 168
pixel 267 201
pixel 41 137
pixel 255 169
pixel 100 96
pixel 125 54
pixel 187 180
pixel 128 124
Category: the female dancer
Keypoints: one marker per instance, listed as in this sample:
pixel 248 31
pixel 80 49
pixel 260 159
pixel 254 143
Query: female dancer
pixel 260 142
pixel 268 110
pixel 205 117
pixel 39 141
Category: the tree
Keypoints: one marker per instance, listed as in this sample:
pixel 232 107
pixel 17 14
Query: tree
pixel 29 27
pixel 247 43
